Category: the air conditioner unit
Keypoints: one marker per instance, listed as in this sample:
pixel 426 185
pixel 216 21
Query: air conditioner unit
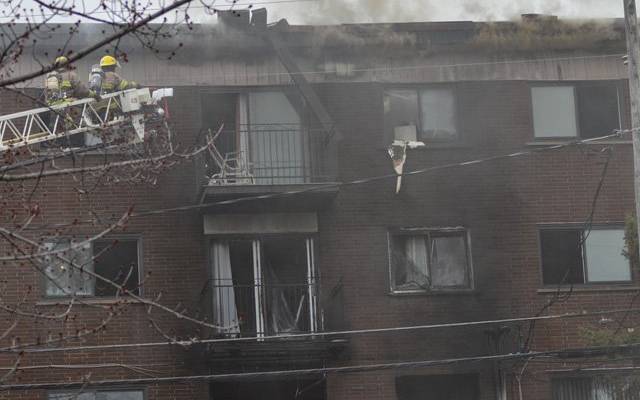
pixel 405 133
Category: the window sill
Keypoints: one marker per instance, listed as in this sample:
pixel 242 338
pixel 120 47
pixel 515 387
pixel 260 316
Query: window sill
pixel 590 289
pixel 449 292
pixel 436 146
pixel 86 300
pixel 544 143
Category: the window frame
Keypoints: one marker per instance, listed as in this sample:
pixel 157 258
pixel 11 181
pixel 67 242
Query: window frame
pixel 417 89
pixel 583 249
pixel 316 319
pixel 137 237
pixel 621 102
pixel 464 232
pixel 144 390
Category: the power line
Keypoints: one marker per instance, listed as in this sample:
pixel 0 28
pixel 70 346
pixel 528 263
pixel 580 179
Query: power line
pixel 325 186
pixel 584 352
pixel 19 349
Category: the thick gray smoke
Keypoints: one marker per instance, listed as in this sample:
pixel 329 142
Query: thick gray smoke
pixel 362 11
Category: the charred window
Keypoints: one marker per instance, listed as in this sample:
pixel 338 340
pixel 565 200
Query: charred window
pixel 441 387
pixel 427 114
pixel 116 260
pixel 263 286
pixel 431 260
pixel 575 256
pixel 587 110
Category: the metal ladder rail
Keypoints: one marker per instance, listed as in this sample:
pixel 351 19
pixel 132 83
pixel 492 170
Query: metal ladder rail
pixel 17 129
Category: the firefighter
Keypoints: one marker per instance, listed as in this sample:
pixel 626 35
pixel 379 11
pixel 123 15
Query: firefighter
pixel 111 81
pixel 62 84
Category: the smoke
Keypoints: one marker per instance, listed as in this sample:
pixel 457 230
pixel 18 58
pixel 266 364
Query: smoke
pixel 363 11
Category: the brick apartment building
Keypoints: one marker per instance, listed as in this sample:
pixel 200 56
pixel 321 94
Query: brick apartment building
pixel 493 240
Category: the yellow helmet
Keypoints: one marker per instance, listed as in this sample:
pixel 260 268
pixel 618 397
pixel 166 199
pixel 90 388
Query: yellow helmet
pixel 108 61
pixel 61 60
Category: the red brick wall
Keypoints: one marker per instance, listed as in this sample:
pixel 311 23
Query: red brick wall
pixel 500 202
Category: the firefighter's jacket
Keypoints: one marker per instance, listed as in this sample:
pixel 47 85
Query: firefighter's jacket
pixel 63 85
pixel 113 83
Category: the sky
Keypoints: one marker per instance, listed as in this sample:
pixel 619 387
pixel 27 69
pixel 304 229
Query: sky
pixel 359 11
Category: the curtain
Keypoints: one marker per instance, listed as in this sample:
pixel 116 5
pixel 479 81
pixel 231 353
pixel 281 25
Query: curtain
pixel 285 304
pixel 225 313
pixel 277 149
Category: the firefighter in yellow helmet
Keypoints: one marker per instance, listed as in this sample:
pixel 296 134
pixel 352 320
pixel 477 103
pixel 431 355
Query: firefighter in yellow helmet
pixel 111 81
pixel 62 84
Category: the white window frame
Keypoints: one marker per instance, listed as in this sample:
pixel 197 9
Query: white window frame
pixel 259 298
pixel 426 232
pixel 53 395
pixel 47 243
pixel 418 91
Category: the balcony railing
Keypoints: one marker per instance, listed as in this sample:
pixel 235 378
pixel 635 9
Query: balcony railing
pixel 264 310
pixel 274 154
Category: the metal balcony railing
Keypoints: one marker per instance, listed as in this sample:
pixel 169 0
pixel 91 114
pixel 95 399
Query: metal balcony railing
pixel 274 154
pixel 264 310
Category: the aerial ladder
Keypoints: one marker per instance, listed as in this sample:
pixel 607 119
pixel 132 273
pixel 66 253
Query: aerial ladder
pixel 118 111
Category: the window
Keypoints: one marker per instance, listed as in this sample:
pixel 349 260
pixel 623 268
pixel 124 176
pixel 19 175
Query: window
pixel 263 286
pixel 441 387
pixel 429 112
pixel 601 387
pixel 89 394
pixel 587 110
pixel 265 139
pixel 430 260
pixel 573 256
pixel 115 259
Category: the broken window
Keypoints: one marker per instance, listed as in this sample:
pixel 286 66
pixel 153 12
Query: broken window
pixel 430 260
pixel 598 387
pixel 440 387
pixel 428 114
pixel 586 109
pixel 263 140
pixel 114 259
pixel 263 286
pixel 573 256
pixel 88 394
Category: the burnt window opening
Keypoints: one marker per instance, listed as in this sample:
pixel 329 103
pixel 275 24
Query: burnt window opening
pixel 308 388
pixel 426 114
pixel 267 137
pixel 264 286
pixel 573 256
pixel 597 387
pixel 585 110
pixel 441 387
pixel 431 260
pixel 100 394
pixel 117 260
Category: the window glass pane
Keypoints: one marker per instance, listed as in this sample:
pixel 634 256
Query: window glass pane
pixel 553 111
pixel 438 114
pixel 561 256
pixel 120 395
pixel 598 109
pixel 448 262
pixel 116 260
pixel 409 263
pixel 72 396
pixel 278 153
pixel 605 262
pixel 400 110
pixel 63 279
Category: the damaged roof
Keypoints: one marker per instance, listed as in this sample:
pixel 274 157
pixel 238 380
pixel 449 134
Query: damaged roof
pixel 537 47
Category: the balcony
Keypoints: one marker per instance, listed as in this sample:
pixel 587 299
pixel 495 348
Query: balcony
pixel 261 159
pixel 264 288
pixel 264 310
